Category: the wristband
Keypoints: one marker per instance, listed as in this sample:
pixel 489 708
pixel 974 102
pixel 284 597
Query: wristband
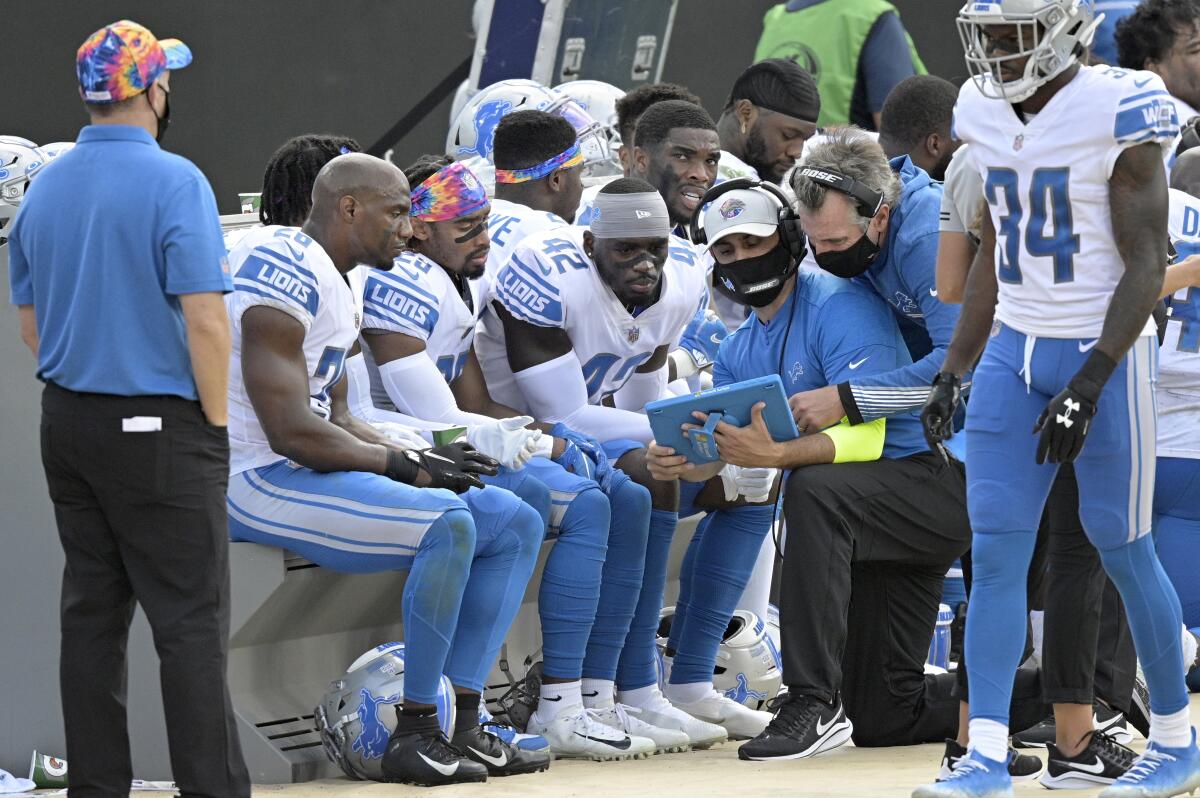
pixel 400 467
pixel 1090 379
pixel 543 446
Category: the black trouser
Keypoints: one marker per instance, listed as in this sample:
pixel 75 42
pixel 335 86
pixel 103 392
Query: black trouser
pixel 142 518
pixel 1086 639
pixel 868 546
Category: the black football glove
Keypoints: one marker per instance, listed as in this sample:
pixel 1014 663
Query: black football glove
pixel 456 466
pixel 1065 422
pixel 937 417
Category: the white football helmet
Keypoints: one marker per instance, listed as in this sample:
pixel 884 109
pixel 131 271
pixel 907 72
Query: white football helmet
pixel 356 716
pixel 748 668
pixel 1051 34
pixel 474 130
pixel 599 99
pixel 20 160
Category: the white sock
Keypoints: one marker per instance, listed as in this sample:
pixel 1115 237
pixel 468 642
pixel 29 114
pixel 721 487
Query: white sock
pixel 1171 731
pixel 598 693
pixel 687 693
pixel 637 698
pixel 557 697
pixel 989 738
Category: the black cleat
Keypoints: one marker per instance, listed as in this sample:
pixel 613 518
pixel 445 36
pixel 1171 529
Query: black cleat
pixel 500 758
pixel 1101 762
pixel 1021 767
pixel 419 753
pixel 803 726
pixel 1139 707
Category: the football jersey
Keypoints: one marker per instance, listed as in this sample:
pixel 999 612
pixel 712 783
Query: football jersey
pixel 416 297
pixel 1046 184
pixel 281 268
pixel 509 223
pixel 1178 387
pixel 550 282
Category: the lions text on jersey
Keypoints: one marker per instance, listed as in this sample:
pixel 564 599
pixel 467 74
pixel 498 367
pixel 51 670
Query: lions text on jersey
pixel 1046 184
pixel 416 297
pixel 281 268
pixel 1178 388
pixel 550 281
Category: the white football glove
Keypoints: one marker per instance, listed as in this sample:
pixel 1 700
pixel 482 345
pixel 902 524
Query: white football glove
pixel 506 439
pixel 407 437
pixel 753 483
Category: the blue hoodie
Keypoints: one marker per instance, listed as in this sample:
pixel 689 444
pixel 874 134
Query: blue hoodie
pixel 903 275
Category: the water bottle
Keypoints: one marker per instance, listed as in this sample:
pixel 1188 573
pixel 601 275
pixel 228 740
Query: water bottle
pixel 939 647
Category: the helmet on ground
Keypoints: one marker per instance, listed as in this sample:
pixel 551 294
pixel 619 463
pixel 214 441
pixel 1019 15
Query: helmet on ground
pixel 473 132
pixel 357 715
pixel 1051 36
pixel 599 99
pixel 747 669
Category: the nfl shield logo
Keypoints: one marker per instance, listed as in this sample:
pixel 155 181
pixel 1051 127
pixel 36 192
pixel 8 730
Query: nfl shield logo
pixel 632 334
pixel 1019 142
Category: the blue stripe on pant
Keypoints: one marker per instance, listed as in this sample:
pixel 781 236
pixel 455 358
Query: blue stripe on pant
pixel 363 523
pixel 1006 491
pixel 578 513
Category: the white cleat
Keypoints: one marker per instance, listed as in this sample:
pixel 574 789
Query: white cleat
pixel 741 722
pixel 575 734
pixel 621 718
pixel 662 713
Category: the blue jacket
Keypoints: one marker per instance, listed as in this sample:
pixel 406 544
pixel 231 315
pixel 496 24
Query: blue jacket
pixel 903 275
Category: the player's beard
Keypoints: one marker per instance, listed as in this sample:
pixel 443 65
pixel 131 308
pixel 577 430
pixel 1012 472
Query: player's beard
pixel 756 157
pixel 473 271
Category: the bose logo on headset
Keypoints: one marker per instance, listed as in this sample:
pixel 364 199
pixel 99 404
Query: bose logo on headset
pixel 819 176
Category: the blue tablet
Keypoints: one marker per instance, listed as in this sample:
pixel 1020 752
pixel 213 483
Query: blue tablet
pixel 730 403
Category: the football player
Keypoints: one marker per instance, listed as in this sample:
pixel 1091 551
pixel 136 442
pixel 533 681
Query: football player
pixel 1074 245
pixel 420 320
pixel 578 333
pixel 308 476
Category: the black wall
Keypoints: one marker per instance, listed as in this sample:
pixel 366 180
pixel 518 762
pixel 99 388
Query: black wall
pixel 269 69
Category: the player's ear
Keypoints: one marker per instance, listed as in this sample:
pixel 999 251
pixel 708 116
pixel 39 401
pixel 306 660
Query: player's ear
pixel 347 208
pixel 420 229
pixel 554 181
pixel 880 220
pixel 641 161
pixel 746 113
pixel 623 157
pixel 934 145
pixel 589 243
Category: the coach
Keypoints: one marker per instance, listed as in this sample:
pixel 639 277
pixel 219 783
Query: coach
pixel 117 267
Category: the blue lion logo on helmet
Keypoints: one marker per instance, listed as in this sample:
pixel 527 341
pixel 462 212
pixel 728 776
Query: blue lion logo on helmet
pixel 487 116
pixel 373 734
pixel 741 691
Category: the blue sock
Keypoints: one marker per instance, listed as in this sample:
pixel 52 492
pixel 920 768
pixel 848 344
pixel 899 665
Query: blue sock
pixel 432 599
pixel 570 590
pixel 621 578
pixel 724 559
pixel 1154 620
pixel 509 537
pixel 686 570
pixel 996 619
pixel 637 666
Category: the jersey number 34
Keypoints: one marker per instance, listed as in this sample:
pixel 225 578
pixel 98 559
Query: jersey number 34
pixel 1049 202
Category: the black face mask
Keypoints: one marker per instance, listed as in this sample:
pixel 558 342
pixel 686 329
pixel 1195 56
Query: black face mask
pixel 164 121
pixel 756 281
pixel 852 261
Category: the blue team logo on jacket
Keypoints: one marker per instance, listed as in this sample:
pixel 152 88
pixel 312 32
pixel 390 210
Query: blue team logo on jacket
pixel 741 691
pixel 372 734
pixel 487 116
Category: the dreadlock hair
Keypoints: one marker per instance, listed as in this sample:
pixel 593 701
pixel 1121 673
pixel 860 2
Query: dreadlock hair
pixel 426 165
pixel 661 118
pixel 628 185
pixel 634 104
pixel 288 180
pixel 528 138
pixel 779 85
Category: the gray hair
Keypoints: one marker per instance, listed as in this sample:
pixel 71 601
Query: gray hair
pixel 853 153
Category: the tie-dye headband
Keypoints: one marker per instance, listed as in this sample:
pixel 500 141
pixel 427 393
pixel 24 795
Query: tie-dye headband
pixel 572 157
pixel 450 193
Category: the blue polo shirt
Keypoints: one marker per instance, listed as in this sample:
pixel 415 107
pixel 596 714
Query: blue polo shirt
pixel 108 237
pixel 827 332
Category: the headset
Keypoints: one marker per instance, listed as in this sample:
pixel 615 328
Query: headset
pixel 791 234
pixel 865 199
